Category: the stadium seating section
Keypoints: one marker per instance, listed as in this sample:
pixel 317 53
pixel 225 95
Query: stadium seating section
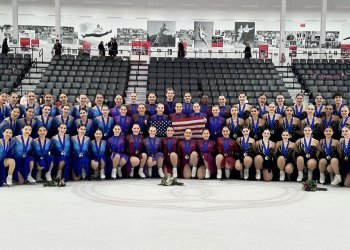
pixel 12 70
pixel 74 75
pixel 215 77
pixel 323 76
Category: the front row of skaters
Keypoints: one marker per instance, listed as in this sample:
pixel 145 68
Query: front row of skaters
pixel 78 157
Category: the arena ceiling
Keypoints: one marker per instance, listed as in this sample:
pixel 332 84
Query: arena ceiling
pixel 246 5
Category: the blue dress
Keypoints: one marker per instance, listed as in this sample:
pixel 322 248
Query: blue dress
pixel 98 151
pixel 33 124
pixel 48 124
pixel 76 111
pixel 61 150
pixel 124 122
pixel 69 121
pixel 198 115
pixel 4 112
pixel 215 125
pixel 15 126
pixel 153 147
pixel 22 155
pixel 90 129
pixel 22 110
pixel 5 150
pixel 106 125
pixel 42 154
pixel 95 112
pixel 81 159
pixel 59 111
pixel 151 109
pixel 53 111
pixel 187 109
pixel 114 111
pixel 116 145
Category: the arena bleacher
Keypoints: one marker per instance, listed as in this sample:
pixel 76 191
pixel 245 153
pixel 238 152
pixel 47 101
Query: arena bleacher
pixel 215 77
pixel 13 68
pixel 74 75
pixel 323 76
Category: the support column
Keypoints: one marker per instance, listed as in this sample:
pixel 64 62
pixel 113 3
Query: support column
pixel 58 19
pixel 323 27
pixel 283 29
pixel 15 21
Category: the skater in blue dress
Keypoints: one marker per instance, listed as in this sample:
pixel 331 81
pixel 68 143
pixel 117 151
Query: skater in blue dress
pixel 43 159
pixel 80 154
pixel 6 160
pixel 98 149
pixel 61 145
pixel 22 148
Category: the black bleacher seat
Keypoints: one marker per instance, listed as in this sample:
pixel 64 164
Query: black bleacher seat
pixel 214 76
pixel 74 75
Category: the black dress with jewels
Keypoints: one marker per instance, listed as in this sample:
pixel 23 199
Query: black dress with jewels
pixel 333 152
pixel 249 151
pixel 344 163
pixel 289 156
pixel 312 152
pixel 268 158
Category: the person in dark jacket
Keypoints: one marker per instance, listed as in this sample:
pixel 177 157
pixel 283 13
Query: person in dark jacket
pixel 101 49
pixel 109 45
pixel 247 51
pixel 57 48
pixel 5 47
pixel 114 47
pixel 181 50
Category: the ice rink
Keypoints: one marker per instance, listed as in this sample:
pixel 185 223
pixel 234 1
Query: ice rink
pixel 139 214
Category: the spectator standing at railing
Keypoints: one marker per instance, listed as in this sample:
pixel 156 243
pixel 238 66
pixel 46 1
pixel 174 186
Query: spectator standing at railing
pixel 109 45
pixel 57 48
pixel 181 50
pixel 114 47
pixel 101 49
pixel 5 47
pixel 247 51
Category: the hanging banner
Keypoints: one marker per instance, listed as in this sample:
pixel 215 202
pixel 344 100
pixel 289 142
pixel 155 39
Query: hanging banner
pixel 140 47
pixel 345 50
pixel 263 51
pixel 293 51
pixel 86 47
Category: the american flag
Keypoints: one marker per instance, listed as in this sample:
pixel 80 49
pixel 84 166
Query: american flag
pixel 161 127
pixel 196 124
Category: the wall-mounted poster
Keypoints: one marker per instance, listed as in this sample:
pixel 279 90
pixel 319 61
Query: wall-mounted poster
pixel 186 36
pixel 267 37
pixel 311 39
pixel 46 34
pixel 126 35
pixel 161 33
pixel 203 34
pixel 245 32
pixel 229 37
pixel 95 33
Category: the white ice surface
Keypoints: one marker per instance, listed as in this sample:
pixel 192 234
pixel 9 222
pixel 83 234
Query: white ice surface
pixel 139 214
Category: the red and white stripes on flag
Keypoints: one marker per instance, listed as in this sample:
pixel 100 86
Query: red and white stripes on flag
pixel 196 124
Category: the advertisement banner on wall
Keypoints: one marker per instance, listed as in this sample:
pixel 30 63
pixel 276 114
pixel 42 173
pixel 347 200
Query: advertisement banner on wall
pixel 263 51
